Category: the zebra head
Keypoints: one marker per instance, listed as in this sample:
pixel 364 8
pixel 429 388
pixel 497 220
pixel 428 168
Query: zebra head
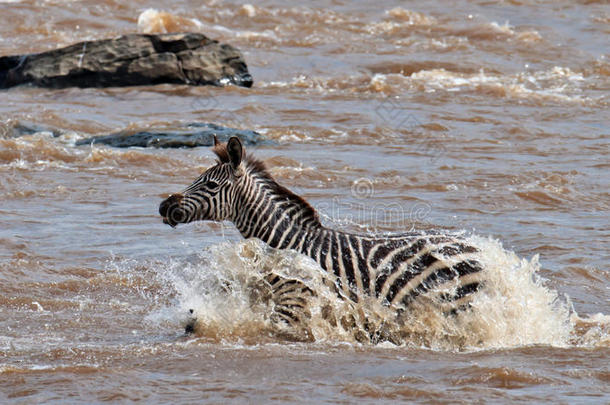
pixel 210 197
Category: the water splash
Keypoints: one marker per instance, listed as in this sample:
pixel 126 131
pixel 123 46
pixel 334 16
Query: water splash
pixel 224 287
pixel 152 21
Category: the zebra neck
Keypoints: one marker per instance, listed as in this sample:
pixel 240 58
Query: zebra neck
pixel 275 215
pixel 280 233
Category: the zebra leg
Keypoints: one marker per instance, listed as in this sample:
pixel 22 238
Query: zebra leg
pixel 289 300
pixel 191 320
pixel 190 323
pixel 369 328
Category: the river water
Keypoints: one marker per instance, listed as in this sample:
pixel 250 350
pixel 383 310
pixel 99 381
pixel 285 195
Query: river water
pixel 487 117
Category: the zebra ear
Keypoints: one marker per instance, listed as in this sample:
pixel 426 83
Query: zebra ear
pixel 216 142
pixel 235 150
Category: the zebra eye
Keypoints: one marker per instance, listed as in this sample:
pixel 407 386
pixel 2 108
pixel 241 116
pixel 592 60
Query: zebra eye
pixel 212 184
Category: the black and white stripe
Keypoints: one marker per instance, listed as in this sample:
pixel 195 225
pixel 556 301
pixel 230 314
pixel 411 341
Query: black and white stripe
pixel 394 269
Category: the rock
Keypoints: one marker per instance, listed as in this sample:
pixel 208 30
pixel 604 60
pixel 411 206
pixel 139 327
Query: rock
pixel 188 136
pixel 130 60
pixel 15 129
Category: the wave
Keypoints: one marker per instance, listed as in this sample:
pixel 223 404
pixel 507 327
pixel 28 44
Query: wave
pixel 43 149
pixel 294 26
pixel 556 85
pixel 152 21
pixel 223 288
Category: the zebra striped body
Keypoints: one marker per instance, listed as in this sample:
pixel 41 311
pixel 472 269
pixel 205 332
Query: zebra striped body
pixel 393 269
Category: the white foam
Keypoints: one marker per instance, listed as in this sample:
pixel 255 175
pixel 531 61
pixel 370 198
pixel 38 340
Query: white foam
pixel 248 9
pixel 410 17
pixel 515 309
pixel 558 84
pixel 505 28
pixel 154 21
pixel 147 20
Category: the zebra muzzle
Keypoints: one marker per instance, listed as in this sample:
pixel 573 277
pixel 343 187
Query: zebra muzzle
pixel 171 211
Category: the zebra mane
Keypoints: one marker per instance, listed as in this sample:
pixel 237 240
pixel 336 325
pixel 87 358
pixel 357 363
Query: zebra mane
pixel 258 169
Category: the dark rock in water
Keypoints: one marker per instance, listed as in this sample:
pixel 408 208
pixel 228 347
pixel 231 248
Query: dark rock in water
pixel 16 129
pixel 130 60
pixel 189 136
pixel 175 136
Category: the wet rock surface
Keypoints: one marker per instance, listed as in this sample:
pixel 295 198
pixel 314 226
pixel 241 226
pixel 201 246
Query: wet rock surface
pixel 15 129
pixel 180 135
pixel 130 60
pixel 187 136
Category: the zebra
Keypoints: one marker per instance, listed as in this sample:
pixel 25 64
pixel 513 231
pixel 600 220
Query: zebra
pixel 393 270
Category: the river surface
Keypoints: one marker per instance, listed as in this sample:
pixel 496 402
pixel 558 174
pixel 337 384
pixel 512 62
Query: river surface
pixel 488 117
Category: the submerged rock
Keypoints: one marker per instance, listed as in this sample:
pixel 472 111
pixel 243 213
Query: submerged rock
pixel 129 60
pixel 15 129
pixel 189 136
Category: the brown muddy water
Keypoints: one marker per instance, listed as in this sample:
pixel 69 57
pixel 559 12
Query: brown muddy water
pixel 488 117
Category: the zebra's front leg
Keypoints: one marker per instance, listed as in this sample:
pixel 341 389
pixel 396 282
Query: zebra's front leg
pixel 289 300
pixel 190 322
pixel 286 301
